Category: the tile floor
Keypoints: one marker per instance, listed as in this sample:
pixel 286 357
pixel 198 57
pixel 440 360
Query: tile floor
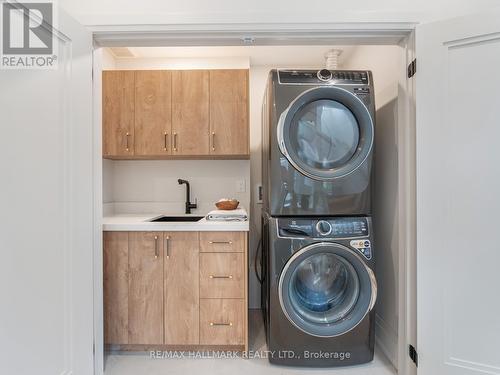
pixel 143 364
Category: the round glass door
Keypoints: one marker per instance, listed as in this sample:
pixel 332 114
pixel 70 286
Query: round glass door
pixel 326 133
pixel 326 290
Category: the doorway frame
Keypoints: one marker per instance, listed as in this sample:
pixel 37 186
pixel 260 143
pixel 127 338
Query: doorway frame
pixel 401 34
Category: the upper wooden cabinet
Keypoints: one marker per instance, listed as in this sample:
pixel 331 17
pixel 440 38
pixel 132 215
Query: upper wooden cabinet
pixel 190 122
pixel 184 114
pixel 118 107
pixel 153 113
pixel 229 112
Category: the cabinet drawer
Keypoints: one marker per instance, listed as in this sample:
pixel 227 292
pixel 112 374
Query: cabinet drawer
pixel 219 242
pixel 222 275
pixel 222 322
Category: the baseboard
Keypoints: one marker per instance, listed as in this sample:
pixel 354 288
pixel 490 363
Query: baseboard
pixel 386 340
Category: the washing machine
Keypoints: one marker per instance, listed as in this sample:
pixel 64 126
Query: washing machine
pixel 319 290
pixel 318 133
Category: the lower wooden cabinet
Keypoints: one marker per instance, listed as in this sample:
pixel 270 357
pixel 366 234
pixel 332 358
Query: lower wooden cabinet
pixel 145 288
pixel 160 291
pixel 182 300
pixel 115 259
pixel 222 321
pixel 222 275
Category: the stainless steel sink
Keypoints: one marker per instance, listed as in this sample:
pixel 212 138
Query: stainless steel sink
pixel 176 219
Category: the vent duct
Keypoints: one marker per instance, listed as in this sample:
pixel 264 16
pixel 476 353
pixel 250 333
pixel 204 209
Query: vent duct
pixel 332 59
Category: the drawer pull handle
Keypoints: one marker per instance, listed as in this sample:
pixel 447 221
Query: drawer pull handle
pixel 230 324
pixel 220 242
pixel 175 141
pixel 167 247
pixel 221 277
pixel 165 141
pixel 156 248
pixel 126 140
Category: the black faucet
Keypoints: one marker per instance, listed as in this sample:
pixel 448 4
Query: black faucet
pixel 189 205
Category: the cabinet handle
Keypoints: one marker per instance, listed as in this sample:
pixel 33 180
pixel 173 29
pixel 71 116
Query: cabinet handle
pixel 221 324
pixel 175 141
pixel 126 141
pixel 165 142
pixel 213 141
pixel 157 254
pixel 167 250
pixel 220 242
pixel 221 277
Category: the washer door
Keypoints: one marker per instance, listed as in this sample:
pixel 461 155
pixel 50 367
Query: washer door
pixel 326 290
pixel 326 133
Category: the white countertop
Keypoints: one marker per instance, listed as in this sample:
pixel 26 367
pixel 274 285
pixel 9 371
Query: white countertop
pixel 141 222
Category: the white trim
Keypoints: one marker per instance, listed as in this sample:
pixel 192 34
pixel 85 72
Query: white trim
pixel 407 324
pixel 98 214
pixel 388 33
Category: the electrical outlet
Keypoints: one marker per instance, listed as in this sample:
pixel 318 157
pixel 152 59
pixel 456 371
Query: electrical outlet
pixel 258 193
pixel 240 186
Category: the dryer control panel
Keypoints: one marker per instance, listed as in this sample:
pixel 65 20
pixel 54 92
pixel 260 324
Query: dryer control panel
pixel 341 227
pixel 323 77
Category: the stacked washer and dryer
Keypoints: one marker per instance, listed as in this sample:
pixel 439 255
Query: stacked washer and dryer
pixel 319 288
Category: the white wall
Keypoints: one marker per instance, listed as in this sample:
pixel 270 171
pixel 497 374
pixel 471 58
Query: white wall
pixel 150 186
pixel 148 12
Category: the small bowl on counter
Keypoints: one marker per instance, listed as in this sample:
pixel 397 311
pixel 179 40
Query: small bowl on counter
pixel 227 204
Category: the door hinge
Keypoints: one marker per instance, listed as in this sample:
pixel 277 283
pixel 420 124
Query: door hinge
pixel 412 352
pixel 412 68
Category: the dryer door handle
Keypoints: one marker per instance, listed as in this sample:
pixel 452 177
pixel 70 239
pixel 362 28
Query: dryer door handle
pixel 373 281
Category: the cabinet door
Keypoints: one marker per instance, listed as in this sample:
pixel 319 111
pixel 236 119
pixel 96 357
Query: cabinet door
pixel 115 275
pixel 229 112
pixel 181 288
pixel 222 322
pixel 145 308
pixel 153 113
pixel 222 275
pixel 190 117
pixel 118 106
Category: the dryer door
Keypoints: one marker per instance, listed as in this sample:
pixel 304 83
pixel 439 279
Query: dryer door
pixel 326 133
pixel 326 289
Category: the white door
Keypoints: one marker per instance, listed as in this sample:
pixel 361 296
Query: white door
pixel 458 195
pixel 46 220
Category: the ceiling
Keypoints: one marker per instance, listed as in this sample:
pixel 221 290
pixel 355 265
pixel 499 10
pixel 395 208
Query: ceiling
pixel 258 55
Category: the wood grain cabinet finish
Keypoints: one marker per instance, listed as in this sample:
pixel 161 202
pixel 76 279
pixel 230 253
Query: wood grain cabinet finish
pixel 181 251
pixel 157 114
pixel 190 117
pixel 153 113
pixel 229 112
pixel 222 242
pixel 222 322
pixel 145 312
pixel 161 291
pixel 222 275
pixel 118 107
pixel 115 260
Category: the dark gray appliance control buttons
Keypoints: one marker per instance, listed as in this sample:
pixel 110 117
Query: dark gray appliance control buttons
pixel 324 228
pixel 324 75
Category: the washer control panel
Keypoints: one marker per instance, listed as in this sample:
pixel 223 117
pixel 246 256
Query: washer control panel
pixel 342 227
pixel 323 76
